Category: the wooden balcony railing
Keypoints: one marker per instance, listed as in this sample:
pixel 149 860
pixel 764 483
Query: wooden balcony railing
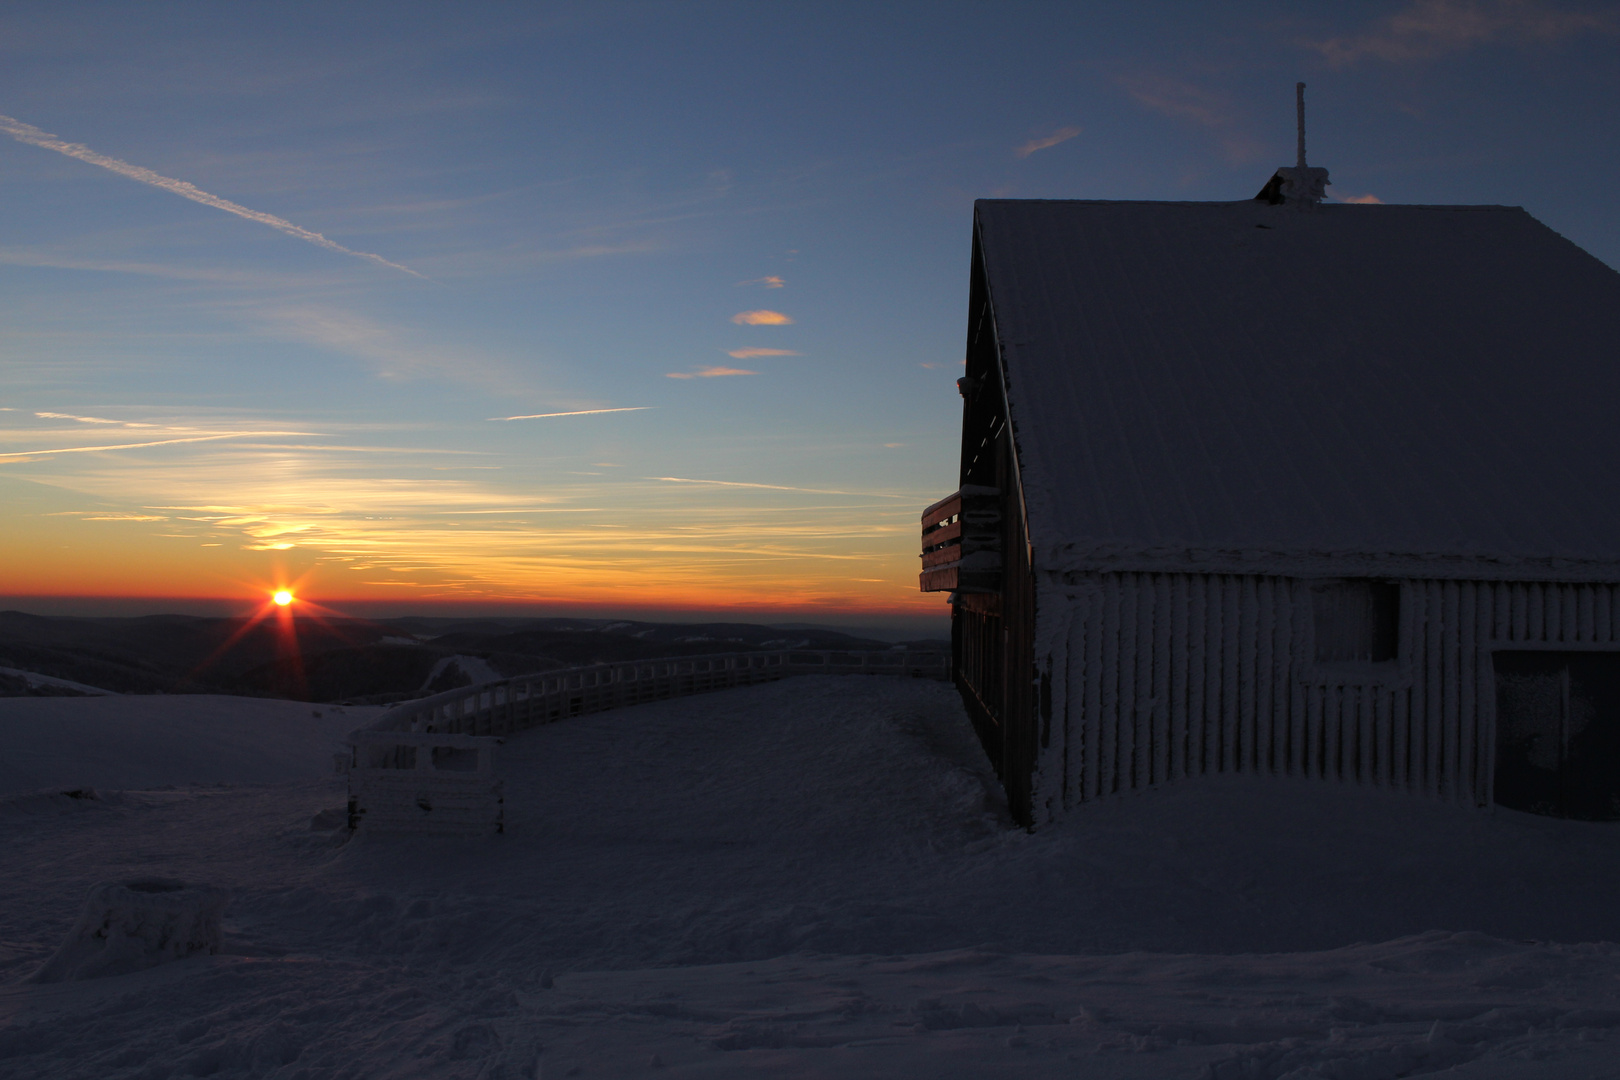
pixel 961 542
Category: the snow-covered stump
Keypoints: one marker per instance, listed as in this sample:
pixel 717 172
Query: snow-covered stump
pixel 131 925
pixel 425 783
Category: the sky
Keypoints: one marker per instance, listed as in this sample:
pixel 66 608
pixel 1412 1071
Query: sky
pixel 644 309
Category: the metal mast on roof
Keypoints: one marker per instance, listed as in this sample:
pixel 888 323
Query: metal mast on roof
pixel 1301 185
pixel 1299 108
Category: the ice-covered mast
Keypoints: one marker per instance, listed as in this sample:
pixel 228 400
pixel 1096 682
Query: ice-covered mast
pixel 1301 185
pixel 1299 119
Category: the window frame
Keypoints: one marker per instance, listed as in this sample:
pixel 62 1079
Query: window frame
pixel 1394 673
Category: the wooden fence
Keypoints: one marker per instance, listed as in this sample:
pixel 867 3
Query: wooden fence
pixel 400 772
pixel 501 708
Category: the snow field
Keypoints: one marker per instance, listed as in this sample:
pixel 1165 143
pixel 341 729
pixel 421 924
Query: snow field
pixel 157 740
pixel 817 878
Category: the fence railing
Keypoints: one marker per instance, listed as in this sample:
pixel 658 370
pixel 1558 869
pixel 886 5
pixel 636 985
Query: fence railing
pixel 435 753
pixel 501 708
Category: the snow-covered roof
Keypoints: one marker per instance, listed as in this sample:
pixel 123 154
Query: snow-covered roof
pixel 1239 387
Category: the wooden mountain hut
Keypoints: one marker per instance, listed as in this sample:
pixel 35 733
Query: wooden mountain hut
pixel 1269 486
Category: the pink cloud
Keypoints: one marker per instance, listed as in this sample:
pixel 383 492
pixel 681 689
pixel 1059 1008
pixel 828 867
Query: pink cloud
pixel 1429 28
pixel 749 354
pixel 1184 100
pixel 1063 134
pixel 708 373
pixel 760 318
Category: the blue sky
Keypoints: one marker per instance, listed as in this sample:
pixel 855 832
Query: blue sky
pixel 587 197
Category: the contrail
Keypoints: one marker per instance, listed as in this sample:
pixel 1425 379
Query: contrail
pixel 581 412
pixel 28 133
pixel 158 442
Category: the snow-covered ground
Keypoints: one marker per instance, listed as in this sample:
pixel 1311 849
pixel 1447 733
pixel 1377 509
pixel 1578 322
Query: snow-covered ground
pixel 147 741
pixel 811 878
pixel 35 679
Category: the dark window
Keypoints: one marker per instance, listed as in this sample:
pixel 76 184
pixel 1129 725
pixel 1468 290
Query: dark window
pixel 1356 621
pixel 455 758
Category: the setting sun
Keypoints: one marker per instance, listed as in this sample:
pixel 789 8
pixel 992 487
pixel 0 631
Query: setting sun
pixel 283 597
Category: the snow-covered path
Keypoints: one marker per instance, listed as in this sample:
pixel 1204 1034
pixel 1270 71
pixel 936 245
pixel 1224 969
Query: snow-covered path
pixel 816 877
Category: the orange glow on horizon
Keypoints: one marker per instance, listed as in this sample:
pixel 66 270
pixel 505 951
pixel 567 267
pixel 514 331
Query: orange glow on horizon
pixel 692 552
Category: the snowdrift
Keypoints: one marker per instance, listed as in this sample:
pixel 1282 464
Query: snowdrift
pixel 818 877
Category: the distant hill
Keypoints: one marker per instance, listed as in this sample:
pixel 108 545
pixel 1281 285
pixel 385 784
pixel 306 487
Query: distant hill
pixel 361 660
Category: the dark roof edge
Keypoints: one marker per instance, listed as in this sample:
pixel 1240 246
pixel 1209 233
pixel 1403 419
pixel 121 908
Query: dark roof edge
pixel 1070 560
pixel 1328 204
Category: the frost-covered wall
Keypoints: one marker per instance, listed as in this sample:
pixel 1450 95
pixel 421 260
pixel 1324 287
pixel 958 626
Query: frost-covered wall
pixel 1155 677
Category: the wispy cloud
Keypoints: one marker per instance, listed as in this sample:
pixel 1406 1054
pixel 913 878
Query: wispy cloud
pixel 770 282
pixel 576 412
pixel 760 318
pixel 770 487
pixel 33 136
pixel 679 539
pixel 1430 28
pixel 1181 99
pixel 709 373
pixel 749 354
pixel 520 256
pixel 341 448
pixel 45 257
pixel 85 419
pixel 1184 100
pixel 395 352
pixel 1063 134
pixel 155 442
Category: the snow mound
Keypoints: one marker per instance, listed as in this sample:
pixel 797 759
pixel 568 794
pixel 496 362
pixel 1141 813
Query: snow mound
pixel 132 925
pixel 150 741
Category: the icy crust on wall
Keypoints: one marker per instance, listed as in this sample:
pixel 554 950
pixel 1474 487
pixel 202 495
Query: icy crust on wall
pixel 133 925
pixel 1156 677
pixel 1232 383
pixel 1054 618
pixel 1077 560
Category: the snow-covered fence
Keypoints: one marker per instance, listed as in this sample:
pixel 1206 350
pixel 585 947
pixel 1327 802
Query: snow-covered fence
pixel 499 708
pixel 429 765
pixel 424 783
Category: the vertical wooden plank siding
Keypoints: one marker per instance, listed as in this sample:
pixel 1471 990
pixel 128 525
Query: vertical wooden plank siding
pixel 1086 735
pixel 1181 606
pixel 1206 647
pixel 1194 652
pixel 1175 675
pixel 1138 766
pixel 1163 664
pixel 1230 673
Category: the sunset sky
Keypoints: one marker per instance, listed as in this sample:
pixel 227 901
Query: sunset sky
pixel 640 308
